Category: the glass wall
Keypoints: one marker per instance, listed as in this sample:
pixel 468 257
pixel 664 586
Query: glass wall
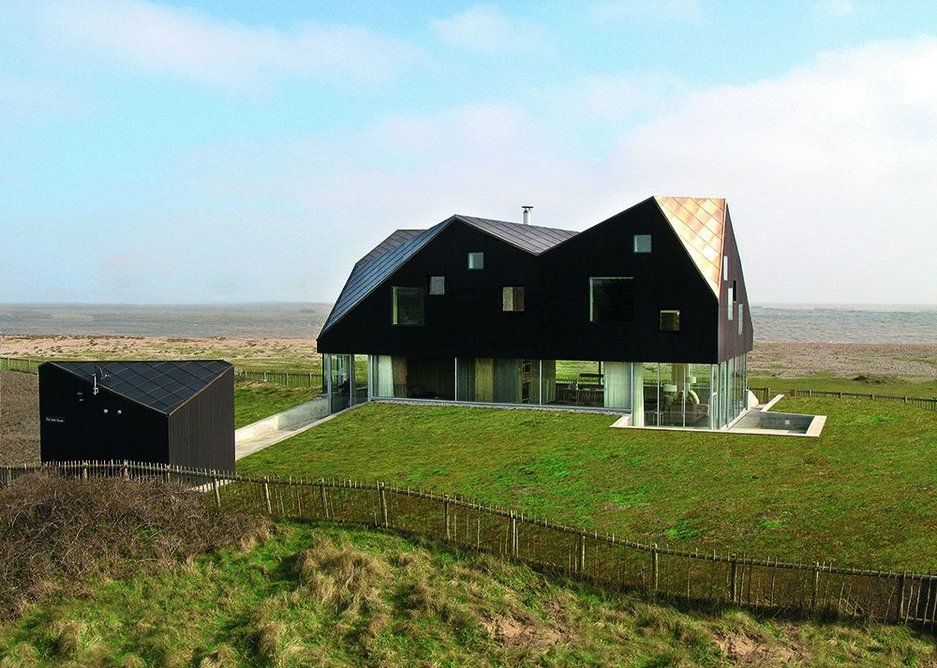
pixel 413 377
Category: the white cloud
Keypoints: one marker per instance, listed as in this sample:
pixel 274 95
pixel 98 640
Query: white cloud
pixel 688 11
pixel 829 171
pixel 486 29
pixel 193 45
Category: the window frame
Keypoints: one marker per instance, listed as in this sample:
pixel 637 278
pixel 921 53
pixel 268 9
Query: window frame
pixel 514 291
pixel 660 319
pixel 642 237
pixel 480 255
pixel 592 283
pixel 395 306
pixel 429 286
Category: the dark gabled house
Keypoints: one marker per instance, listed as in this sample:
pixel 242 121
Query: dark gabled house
pixel 178 412
pixel 645 313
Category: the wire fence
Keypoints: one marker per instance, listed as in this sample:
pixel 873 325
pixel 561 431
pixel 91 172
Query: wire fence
pixel 763 394
pixel 772 585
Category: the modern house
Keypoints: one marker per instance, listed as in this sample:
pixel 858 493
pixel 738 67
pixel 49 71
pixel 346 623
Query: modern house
pixel 178 413
pixel 644 313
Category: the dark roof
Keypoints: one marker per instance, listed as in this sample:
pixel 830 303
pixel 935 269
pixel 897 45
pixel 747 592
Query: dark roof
pixel 389 255
pixel 162 386
pixel 534 240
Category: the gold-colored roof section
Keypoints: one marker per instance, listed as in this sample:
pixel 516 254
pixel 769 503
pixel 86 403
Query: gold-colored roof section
pixel 700 223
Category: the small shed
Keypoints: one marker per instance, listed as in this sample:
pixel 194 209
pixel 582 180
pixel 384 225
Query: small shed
pixel 169 412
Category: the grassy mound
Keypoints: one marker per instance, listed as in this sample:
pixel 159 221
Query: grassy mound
pixel 325 596
pixel 55 533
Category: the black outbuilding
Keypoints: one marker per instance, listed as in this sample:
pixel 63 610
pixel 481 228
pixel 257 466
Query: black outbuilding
pixel 169 412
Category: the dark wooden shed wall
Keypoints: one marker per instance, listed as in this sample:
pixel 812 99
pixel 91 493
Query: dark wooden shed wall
pixel 201 431
pixel 87 433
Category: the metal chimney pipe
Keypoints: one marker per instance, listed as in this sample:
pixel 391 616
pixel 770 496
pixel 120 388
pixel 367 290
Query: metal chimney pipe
pixel 527 208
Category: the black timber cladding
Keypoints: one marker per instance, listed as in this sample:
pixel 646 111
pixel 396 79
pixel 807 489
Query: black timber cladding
pixel 176 412
pixel 554 266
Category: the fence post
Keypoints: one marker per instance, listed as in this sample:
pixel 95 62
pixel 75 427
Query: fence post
pixel 901 609
pixel 214 484
pixel 816 585
pixel 733 572
pixel 267 497
pixel 382 497
pixel 655 567
pixel 513 534
pixel 124 473
pixel 325 501
pixel 445 517
pixel 582 553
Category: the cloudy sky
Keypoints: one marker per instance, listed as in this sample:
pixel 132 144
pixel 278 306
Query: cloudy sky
pixel 212 151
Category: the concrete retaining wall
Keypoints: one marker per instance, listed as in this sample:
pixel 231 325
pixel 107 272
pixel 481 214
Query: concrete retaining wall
pixel 291 418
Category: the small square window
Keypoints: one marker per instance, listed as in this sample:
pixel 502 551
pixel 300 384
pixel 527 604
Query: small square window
pixel 476 260
pixel 670 321
pixel 512 298
pixel 437 285
pixel 642 243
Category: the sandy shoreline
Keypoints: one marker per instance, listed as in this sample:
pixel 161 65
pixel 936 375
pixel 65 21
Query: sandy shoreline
pixel 780 359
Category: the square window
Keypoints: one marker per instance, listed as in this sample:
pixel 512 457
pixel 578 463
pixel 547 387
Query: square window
pixel 476 260
pixel 611 299
pixel 437 285
pixel 670 321
pixel 512 298
pixel 642 243
pixel 408 306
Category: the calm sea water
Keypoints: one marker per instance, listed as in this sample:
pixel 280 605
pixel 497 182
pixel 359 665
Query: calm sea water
pixel 839 323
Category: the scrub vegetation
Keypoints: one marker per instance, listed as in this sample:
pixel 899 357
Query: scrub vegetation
pixel 860 495
pixel 326 596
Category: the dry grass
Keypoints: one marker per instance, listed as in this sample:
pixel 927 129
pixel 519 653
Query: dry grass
pixel 19 417
pixel 54 532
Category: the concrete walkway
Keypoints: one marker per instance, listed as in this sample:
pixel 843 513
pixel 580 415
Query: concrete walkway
pixel 281 426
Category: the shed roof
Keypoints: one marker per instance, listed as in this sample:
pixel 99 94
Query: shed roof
pixel 162 386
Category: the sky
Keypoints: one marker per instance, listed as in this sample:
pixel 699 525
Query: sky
pixel 224 152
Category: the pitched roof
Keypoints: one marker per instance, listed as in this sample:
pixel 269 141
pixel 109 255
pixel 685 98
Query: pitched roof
pixel 389 255
pixel 162 386
pixel 700 224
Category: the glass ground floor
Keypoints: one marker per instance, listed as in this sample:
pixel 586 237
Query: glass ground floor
pixel 667 394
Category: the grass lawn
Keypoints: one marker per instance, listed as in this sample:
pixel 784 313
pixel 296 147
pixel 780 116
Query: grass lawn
pixel 862 494
pixel 312 596
pixel 255 400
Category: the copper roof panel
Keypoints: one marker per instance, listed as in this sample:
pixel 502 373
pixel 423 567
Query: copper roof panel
pixel 700 225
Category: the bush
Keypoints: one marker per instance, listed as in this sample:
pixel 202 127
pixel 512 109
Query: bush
pixel 55 532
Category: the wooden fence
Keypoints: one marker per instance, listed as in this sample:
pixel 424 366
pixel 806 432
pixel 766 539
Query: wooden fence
pixel 929 403
pixel 765 584
pixel 287 378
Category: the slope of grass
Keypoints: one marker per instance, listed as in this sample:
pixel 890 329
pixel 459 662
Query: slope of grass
pixel 255 400
pixel 861 494
pixel 323 596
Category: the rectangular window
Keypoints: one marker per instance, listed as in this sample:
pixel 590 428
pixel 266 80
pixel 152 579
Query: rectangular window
pixel 725 267
pixel 408 306
pixel 741 320
pixel 642 243
pixel 476 260
pixel 735 292
pixel 512 298
pixel 670 321
pixel 611 299
pixel 730 304
pixel 437 285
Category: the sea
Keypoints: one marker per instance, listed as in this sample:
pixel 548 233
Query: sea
pixel 827 323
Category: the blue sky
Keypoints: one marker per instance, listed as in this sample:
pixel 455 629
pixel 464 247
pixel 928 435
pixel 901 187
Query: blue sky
pixel 196 152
